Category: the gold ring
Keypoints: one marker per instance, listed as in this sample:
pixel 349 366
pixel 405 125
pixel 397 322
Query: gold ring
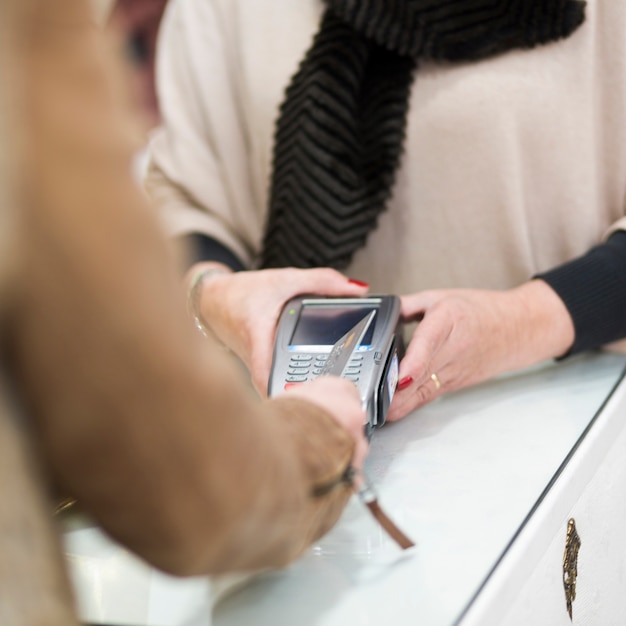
pixel 436 380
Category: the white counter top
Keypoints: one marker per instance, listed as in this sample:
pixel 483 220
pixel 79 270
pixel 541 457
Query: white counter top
pixel 460 477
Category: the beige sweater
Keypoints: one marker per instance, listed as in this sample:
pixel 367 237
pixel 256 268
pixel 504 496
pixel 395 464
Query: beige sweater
pixel 512 165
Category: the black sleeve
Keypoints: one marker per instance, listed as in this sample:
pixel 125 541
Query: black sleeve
pixel 593 288
pixel 204 248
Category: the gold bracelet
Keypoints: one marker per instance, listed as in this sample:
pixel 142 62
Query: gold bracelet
pixel 64 505
pixel 193 298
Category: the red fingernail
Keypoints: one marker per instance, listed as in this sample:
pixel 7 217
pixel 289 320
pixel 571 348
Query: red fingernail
pixel 405 382
pixel 360 283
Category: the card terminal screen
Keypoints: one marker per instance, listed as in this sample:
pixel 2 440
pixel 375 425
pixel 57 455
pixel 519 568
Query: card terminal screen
pixel 322 325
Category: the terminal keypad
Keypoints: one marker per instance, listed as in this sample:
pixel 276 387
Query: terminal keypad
pixel 305 366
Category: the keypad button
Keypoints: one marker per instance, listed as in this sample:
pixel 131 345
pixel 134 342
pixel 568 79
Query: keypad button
pixel 297 372
pixel 303 365
pixel 287 385
pixel 295 379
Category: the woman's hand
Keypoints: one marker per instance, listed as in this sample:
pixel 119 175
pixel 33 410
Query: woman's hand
pixel 467 336
pixel 242 308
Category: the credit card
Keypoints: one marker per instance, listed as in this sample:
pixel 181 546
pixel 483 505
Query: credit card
pixel 342 351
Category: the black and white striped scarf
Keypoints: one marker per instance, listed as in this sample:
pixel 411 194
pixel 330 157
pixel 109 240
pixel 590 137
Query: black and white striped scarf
pixel 341 127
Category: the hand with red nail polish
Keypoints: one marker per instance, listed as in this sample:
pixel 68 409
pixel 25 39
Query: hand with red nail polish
pixel 242 308
pixel 467 336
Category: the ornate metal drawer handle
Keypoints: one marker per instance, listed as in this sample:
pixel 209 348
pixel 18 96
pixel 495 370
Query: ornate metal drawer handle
pixel 570 564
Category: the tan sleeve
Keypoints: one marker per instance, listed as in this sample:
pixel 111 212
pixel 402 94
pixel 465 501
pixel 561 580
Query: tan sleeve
pixel 144 421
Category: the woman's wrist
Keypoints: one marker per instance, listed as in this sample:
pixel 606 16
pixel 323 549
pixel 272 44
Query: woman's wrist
pixel 548 327
pixel 196 279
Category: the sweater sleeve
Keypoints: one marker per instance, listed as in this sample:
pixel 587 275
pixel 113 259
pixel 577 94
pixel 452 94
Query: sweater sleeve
pixel 593 288
pixel 199 175
pixel 150 427
pixel 204 248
